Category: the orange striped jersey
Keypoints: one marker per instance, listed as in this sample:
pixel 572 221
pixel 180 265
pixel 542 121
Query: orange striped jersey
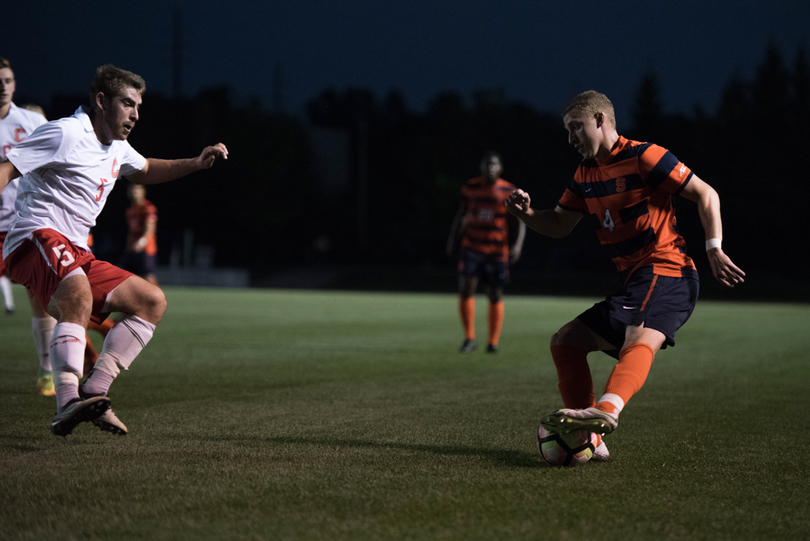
pixel 629 200
pixel 137 218
pixel 485 216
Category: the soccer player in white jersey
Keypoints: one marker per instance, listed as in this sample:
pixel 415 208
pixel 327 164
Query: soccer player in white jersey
pixel 17 123
pixel 68 168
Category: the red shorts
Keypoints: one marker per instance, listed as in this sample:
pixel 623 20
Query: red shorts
pixel 42 263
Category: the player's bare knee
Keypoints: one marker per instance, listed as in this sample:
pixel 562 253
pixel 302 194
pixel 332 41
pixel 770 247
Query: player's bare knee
pixel 156 303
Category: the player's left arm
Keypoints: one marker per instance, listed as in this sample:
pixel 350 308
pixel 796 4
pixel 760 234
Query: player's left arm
pixel 708 203
pixel 157 171
pixel 517 248
pixel 7 173
pixel 151 229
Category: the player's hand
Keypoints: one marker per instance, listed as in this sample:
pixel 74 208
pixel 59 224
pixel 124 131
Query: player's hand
pixel 518 202
pixel 726 272
pixel 514 255
pixel 210 154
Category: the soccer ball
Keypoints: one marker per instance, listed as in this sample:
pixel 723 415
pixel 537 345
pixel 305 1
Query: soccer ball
pixel 569 450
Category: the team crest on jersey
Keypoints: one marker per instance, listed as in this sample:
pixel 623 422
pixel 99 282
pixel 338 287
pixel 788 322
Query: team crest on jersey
pixel 115 168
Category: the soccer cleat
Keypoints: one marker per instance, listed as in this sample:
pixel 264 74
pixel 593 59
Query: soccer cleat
pixel 78 411
pixel 45 384
pixel 601 453
pixel 110 423
pixel 492 348
pixel 567 420
pixel 468 346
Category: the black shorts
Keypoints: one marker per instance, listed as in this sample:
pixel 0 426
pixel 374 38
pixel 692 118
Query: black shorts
pixel 659 302
pixel 494 270
pixel 139 263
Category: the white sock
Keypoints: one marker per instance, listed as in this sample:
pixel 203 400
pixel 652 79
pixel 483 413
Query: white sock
pixel 67 360
pixel 42 330
pixel 122 344
pixel 5 287
pixel 615 400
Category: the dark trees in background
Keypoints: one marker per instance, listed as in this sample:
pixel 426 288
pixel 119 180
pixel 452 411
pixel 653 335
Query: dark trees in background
pixel 267 207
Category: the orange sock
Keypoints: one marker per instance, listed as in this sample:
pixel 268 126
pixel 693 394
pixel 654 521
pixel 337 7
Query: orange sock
pixel 103 328
pixel 574 376
pixel 466 306
pixel 495 322
pixel 627 377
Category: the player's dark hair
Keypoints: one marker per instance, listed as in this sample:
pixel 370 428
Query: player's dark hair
pixel 112 81
pixel 489 154
pixel 4 63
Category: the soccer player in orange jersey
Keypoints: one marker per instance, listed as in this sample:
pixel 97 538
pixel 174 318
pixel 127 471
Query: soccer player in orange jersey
pixel 482 225
pixel 625 189
pixel 140 255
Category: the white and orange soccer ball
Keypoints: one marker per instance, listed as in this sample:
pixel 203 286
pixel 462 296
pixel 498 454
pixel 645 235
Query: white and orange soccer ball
pixel 568 450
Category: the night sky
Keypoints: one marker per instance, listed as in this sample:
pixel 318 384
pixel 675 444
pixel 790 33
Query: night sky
pixel 535 52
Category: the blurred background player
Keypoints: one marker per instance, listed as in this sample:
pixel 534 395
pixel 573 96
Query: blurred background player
pixel 140 255
pixel 627 189
pixel 74 163
pixel 17 123
pixel 482 226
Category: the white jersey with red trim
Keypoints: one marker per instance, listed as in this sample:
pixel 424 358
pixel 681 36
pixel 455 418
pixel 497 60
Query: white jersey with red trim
pixel 67 175
pixel 18 124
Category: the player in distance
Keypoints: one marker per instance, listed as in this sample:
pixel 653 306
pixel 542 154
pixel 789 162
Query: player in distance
pixel 140 254
pixel 625 188
pixel 481 227
pixel 68 168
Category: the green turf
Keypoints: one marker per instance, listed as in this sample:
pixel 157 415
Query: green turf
pixel 320 415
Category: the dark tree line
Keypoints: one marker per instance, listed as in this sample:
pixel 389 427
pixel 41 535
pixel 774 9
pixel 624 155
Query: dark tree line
pixel 266 208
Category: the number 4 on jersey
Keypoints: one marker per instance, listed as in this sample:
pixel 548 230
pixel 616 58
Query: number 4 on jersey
pixel 608 221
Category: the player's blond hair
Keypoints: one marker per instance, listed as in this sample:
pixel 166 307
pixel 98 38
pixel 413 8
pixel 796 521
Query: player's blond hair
pixel 590 103
pixel 33 107
pixel 112 81
pixel 4 63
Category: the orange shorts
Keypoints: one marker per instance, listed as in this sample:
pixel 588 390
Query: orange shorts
pixel 42 263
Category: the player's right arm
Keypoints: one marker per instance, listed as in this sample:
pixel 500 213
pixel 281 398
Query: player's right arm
pixel 7 173
pixel 555 223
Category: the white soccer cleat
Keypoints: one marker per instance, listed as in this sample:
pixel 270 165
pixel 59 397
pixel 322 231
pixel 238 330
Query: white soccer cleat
pixel 594 420
pixel 109 422
pixel 601 453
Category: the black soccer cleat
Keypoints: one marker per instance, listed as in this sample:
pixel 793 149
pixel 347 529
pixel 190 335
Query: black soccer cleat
pixel 78 411
pixel 468 346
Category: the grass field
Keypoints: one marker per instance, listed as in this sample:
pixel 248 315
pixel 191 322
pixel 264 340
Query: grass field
pixel 263 414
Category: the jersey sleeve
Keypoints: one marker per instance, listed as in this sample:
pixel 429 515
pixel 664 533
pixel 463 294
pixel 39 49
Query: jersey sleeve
pixel 573 199
pixel 659 168
pixel 46 146
pixel 132 161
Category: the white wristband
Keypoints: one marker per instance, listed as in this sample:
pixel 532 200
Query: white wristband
pixel 712 243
